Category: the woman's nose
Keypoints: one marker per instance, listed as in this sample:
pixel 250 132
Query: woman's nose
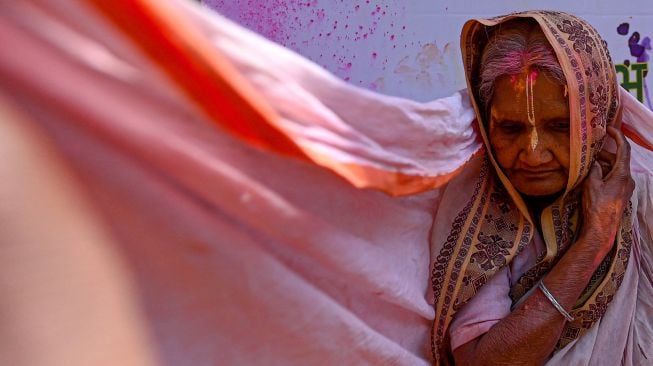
pixel 534 151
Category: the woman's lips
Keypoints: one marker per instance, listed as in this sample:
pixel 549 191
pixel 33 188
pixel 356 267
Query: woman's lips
pixel 536 173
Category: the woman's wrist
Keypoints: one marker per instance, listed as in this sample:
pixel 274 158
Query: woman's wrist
pixel 598 239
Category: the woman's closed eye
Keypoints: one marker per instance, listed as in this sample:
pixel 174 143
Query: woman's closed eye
pixel 509 127
pixel 559 126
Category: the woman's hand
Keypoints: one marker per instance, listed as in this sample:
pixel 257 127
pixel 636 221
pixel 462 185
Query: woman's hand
pixel 607 190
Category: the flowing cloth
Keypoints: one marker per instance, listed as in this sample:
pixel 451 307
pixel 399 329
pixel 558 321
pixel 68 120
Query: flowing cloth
pixel 246 200
pixel 475 239
pixel 223 171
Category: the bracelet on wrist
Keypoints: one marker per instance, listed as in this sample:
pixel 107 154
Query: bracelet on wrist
pixel 555 302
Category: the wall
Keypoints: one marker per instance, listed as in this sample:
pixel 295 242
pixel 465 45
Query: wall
pixel 411 48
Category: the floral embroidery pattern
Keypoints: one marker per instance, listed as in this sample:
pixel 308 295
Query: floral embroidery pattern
pixel 501 223
pixel 599 101
pixel 501 200
pixel 493 250
pixel 445 258
pixel 577 34
pixel 476 282
pixel 479 282
pixel 595 311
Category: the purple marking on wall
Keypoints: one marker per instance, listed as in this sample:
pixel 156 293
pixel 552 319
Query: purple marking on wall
pixel 640 50
pixel 623 28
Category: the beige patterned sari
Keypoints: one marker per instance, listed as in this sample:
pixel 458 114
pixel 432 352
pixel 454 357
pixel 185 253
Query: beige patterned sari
pixel 474 238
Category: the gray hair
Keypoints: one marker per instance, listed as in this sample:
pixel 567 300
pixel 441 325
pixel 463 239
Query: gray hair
pixel 515 47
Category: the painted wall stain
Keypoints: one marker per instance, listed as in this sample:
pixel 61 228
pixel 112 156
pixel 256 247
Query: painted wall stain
pixel 432 68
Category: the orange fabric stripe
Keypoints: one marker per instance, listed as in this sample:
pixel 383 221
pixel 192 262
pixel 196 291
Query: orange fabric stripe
pixel 632 134
pixel 207 78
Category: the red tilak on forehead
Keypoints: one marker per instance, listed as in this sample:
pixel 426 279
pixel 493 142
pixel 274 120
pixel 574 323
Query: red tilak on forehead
pixel 532 75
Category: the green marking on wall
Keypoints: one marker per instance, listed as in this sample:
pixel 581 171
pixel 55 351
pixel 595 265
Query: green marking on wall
pixel 627 72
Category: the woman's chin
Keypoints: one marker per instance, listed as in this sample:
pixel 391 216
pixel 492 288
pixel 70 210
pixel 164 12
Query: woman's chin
pixel 540 189
pixel 552 184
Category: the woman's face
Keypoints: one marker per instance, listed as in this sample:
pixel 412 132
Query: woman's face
pixel 529 132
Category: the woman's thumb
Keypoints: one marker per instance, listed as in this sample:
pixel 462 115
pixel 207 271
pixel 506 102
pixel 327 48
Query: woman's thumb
pixel 596 172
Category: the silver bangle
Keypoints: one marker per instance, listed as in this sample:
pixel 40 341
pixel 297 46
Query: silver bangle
pixel 555 302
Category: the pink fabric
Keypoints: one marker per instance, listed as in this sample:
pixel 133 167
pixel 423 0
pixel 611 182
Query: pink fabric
pixel 240 256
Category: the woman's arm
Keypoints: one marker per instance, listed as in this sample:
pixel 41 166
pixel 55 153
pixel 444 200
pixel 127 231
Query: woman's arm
pixel 528 335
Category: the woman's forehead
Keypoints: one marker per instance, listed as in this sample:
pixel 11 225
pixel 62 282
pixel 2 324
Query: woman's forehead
pixel 513 93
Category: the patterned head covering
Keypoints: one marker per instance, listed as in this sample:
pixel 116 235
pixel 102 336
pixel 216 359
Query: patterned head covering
pixel 488 231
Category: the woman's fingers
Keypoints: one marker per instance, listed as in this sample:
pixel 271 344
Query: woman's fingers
pixel 595 173
pixel 606 159
pixel 623 147
pixel 606 156
pixel 619 177
pixel 621 162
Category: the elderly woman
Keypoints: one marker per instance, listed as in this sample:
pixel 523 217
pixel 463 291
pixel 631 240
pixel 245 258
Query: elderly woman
pixel 543 262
